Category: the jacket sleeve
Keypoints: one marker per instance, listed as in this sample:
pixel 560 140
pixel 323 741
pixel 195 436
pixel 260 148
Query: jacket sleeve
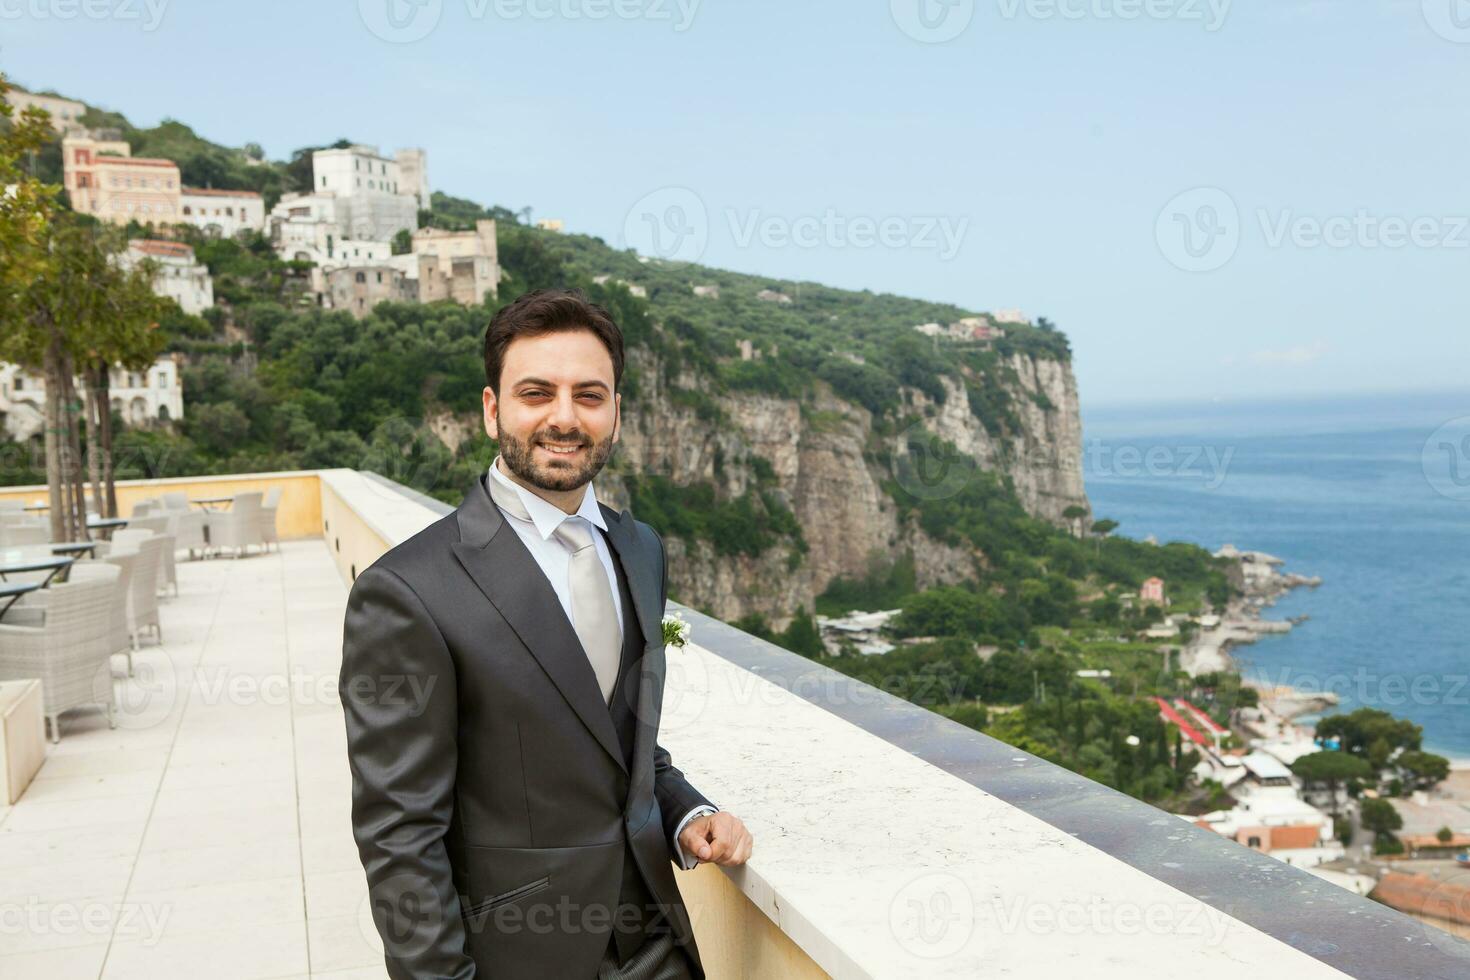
pixel 675 796
pixel 398 694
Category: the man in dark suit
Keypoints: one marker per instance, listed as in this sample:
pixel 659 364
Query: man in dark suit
pixel 502 681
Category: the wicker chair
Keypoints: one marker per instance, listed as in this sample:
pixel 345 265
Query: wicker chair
pixel 118 569
pixel 268 517
pixel 144 527
pixel 240 526
pixel 143 589
pixel 20 535
pixel 70 652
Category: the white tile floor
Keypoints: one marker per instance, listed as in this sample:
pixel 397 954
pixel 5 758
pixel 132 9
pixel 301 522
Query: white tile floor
pixel 209 834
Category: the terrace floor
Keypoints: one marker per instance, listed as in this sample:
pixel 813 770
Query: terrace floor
pixel 211 830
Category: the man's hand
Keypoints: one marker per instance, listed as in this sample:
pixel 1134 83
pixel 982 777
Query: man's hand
pixel 719 838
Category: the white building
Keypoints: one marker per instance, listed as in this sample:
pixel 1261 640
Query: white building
pixel 225 212
pixel 177 275
pixel 66 114
pixel 461 266
pixel 413 174
pixel 373 201
pixel 1270 816
pixel 140 397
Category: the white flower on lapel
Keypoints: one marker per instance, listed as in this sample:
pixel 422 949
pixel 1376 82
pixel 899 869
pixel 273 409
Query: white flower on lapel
pixel 676 630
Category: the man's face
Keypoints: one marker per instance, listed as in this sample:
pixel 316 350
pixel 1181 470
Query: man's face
pixel 556 390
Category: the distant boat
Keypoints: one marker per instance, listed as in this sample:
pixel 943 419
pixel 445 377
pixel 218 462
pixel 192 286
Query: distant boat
pixel 1463 859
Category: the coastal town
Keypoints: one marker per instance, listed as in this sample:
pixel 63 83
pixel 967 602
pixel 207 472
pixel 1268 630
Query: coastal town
pixel 1249 758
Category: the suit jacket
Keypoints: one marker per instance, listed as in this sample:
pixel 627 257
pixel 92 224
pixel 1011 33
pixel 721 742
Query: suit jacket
pixel 493 805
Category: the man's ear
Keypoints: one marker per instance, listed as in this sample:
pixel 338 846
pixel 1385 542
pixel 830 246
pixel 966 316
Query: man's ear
pixel 617 415
pixel 492 413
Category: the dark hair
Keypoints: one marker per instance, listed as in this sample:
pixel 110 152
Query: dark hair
pixel 544 311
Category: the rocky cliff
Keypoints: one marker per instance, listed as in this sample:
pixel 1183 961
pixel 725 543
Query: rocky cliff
pixel 821 452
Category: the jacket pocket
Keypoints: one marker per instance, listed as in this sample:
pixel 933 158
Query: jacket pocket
pixel 529 888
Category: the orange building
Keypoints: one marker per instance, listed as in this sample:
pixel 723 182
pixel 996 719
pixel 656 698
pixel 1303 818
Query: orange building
pixel 103 180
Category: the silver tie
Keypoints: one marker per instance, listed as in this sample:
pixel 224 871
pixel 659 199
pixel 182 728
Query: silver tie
pixel 594 617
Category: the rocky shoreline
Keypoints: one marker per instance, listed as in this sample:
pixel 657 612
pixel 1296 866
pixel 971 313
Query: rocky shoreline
pixel 1263 582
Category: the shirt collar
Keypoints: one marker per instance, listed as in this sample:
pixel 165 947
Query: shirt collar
pixel 546 516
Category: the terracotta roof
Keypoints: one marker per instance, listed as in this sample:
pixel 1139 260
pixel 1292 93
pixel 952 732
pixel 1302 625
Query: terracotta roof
pixel 215 192
pixel 155 246
pixel 1447 899
pixel 141 161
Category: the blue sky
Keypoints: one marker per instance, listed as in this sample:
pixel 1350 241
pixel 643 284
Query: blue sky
pixel 1321 247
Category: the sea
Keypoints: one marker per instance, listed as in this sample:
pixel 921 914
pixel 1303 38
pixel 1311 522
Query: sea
pixel 1370 492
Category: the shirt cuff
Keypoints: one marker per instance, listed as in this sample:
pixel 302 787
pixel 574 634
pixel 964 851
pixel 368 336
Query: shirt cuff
pixel 689 862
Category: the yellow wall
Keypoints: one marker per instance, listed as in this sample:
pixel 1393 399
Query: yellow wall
pixel 298 516
pixel 737 941
pixel 353 544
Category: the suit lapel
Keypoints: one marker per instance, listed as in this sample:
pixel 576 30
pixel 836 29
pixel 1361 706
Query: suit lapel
pixel 502 568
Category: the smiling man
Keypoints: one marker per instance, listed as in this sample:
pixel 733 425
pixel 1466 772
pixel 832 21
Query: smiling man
pixel 517 818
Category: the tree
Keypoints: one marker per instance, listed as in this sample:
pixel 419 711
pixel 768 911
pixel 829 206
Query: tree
pixel 1371 734
pixel 1073 516
pixel 1422 770
pixel 1444 835
pixel 1379 816
pixel 64 305
pixel 1101 529
pixel 402 242
pixel 1331 769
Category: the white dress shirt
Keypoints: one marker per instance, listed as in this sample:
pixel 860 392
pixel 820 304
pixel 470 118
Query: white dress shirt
pixel 556 562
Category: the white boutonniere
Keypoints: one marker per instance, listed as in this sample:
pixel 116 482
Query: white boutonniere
pixel 676 630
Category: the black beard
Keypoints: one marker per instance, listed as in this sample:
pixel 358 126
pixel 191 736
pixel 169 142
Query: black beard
pixel 519 457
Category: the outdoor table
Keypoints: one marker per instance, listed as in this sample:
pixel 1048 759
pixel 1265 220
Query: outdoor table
pixel 106 524
pixel 209 504
pixel 12 591
pixel 37 507
pixel 54 566
pixel 74 548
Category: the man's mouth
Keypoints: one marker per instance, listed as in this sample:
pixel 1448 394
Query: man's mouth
pixel 561 450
